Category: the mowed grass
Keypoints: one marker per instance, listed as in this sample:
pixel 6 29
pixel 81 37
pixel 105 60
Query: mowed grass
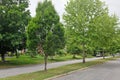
pixel 41 75
pixel 25 60
pixel 22 60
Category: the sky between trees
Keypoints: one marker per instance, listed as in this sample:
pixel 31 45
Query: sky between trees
pixel 113 5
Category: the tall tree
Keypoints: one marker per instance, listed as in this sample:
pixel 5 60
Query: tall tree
pixel 45 32
pixel 14 17
pixel 114 36
pixel 79 16
pixel 105 32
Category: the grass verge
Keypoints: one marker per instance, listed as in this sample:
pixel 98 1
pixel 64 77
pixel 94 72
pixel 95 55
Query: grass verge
pixel 41 75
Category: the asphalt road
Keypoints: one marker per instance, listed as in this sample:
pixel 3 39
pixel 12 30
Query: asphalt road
pixel 28 69
pixel 106 71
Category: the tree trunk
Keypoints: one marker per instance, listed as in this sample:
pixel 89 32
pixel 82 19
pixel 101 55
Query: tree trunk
pixel 74 56
pixel 84 57
pixel 113 55
pixel 45 61
pixel 3 57
pixel 84 54
pixel 17 55
pixel 103 54
pixel 94 53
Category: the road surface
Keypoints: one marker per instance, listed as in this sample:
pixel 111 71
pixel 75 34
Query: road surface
pixel 34 68
pixel 106 71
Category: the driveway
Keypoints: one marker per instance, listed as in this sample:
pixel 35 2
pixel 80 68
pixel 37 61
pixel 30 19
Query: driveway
pixel 106 71
pixel 34 68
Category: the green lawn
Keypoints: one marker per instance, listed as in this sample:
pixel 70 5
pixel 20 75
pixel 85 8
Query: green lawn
pixel 27 60
pixel 41 75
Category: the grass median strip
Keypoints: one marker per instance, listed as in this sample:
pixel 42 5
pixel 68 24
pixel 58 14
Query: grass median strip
pixel 41 75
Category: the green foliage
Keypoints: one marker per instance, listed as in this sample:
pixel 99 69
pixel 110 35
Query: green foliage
pixel 106 33
pixel 74 50
pixel 45 29
pixel 0 36
pixel 14 17
pixel 45 32
pixel 89 25
pixel 31 35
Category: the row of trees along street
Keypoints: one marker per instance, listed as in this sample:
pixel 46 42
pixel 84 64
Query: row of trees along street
pixel 13 20
pixel 87 28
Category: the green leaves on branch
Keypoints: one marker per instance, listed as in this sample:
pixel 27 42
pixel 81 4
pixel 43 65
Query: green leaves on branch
pixel 45 29
pixel 45 33
pixel 14 17
pixel 90 22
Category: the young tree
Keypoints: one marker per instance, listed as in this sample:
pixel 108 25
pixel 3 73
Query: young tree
pixel 79 17
pixel 14 17
pixel 45 31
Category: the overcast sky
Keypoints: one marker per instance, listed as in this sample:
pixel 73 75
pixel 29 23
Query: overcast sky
pixel 114 6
